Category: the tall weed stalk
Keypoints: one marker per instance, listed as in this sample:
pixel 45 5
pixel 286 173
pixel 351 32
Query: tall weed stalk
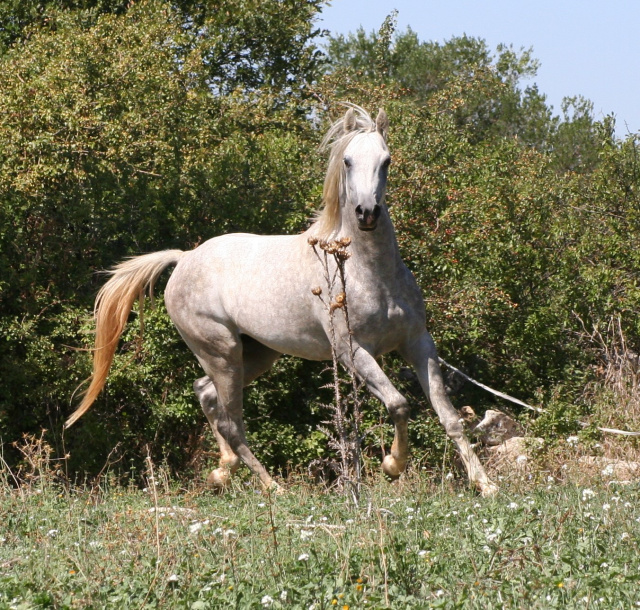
pixel 343 429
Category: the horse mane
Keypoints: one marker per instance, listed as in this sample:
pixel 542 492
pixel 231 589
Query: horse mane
pixel 336 140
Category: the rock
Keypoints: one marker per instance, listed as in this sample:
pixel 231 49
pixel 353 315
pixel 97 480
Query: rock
pixel 513 454
pixel 496 428
pixel 468 415
pixel 619 470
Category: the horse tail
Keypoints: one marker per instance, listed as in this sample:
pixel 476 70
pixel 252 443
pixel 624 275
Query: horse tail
pixel 129 281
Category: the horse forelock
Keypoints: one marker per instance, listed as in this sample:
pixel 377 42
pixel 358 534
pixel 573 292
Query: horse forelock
pixel 336 140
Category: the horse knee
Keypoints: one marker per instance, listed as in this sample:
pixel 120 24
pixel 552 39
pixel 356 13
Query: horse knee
pixel 399 410
pixel 453 428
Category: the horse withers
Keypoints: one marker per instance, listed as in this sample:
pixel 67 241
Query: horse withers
pixel 240 301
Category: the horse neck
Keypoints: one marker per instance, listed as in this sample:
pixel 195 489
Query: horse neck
pixel 375 250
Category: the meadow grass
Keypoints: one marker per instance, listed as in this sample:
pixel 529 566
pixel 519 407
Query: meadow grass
pixel 418 543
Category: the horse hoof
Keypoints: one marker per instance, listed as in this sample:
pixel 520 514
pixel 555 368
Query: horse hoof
pixel 391 467
pixel 487 489
pixel 218 479
pixel 275 489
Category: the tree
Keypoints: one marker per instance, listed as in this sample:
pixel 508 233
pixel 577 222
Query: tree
pixel 500 108
pixel 115 140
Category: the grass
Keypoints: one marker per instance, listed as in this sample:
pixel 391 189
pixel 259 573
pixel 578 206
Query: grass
pixel 419 543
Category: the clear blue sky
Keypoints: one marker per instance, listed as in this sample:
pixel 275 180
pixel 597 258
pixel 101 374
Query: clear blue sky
pixel 585 47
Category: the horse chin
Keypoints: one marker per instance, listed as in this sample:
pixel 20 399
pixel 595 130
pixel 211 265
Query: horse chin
pixel 367 228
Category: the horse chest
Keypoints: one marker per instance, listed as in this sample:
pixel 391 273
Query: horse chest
pixel 378 316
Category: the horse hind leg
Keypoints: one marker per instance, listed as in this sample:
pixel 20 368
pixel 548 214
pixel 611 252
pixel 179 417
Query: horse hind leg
pixel 257 359
pixel 229 461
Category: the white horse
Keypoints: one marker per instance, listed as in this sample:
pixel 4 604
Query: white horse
pixel 240 301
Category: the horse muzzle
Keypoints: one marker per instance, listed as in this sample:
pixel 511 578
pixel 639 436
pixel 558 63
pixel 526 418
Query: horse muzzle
pixel 367 217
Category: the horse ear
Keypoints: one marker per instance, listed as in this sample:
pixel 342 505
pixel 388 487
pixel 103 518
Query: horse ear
pixel 349 121
pixel 382 123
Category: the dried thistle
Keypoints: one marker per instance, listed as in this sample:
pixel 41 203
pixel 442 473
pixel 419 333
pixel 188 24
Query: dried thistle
pixel 343 430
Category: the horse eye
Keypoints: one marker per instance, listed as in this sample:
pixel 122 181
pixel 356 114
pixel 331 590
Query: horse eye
pixel 347 162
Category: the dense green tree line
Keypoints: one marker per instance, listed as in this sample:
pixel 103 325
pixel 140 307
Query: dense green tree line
pixel 133 127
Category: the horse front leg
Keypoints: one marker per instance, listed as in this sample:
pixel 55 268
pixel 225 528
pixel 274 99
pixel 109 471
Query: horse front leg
pixel 369 371
pixel 422 355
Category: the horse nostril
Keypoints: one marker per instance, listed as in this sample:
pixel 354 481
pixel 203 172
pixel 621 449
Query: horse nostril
pixel 376 212
pixel 359 211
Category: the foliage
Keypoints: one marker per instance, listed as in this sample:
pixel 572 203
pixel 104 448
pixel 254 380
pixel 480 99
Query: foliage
pixel 135 127
pixel 112 143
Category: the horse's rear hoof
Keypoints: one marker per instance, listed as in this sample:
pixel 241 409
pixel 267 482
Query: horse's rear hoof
pixel 218 479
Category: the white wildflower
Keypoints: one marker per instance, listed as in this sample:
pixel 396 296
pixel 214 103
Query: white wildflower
pixel 52 533
pixel 606 506
pixel 194 528
pixel 587 494
pixel 513 505
pixel 303 557
pixel 572 440
pixel 422 553
pixel 304 534
pixel 173 578
pixel 266 601
pixel 283 596
pixel 608 471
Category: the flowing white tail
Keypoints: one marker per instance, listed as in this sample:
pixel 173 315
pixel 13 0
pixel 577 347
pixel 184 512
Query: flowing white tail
pixel 129 280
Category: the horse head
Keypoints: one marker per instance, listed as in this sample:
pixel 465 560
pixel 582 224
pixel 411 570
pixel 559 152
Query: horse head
pixel 366 162
pixel 356 180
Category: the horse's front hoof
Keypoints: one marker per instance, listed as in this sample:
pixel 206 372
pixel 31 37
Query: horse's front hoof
pixel 392 468
pixel 487 489
pixel 274 488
